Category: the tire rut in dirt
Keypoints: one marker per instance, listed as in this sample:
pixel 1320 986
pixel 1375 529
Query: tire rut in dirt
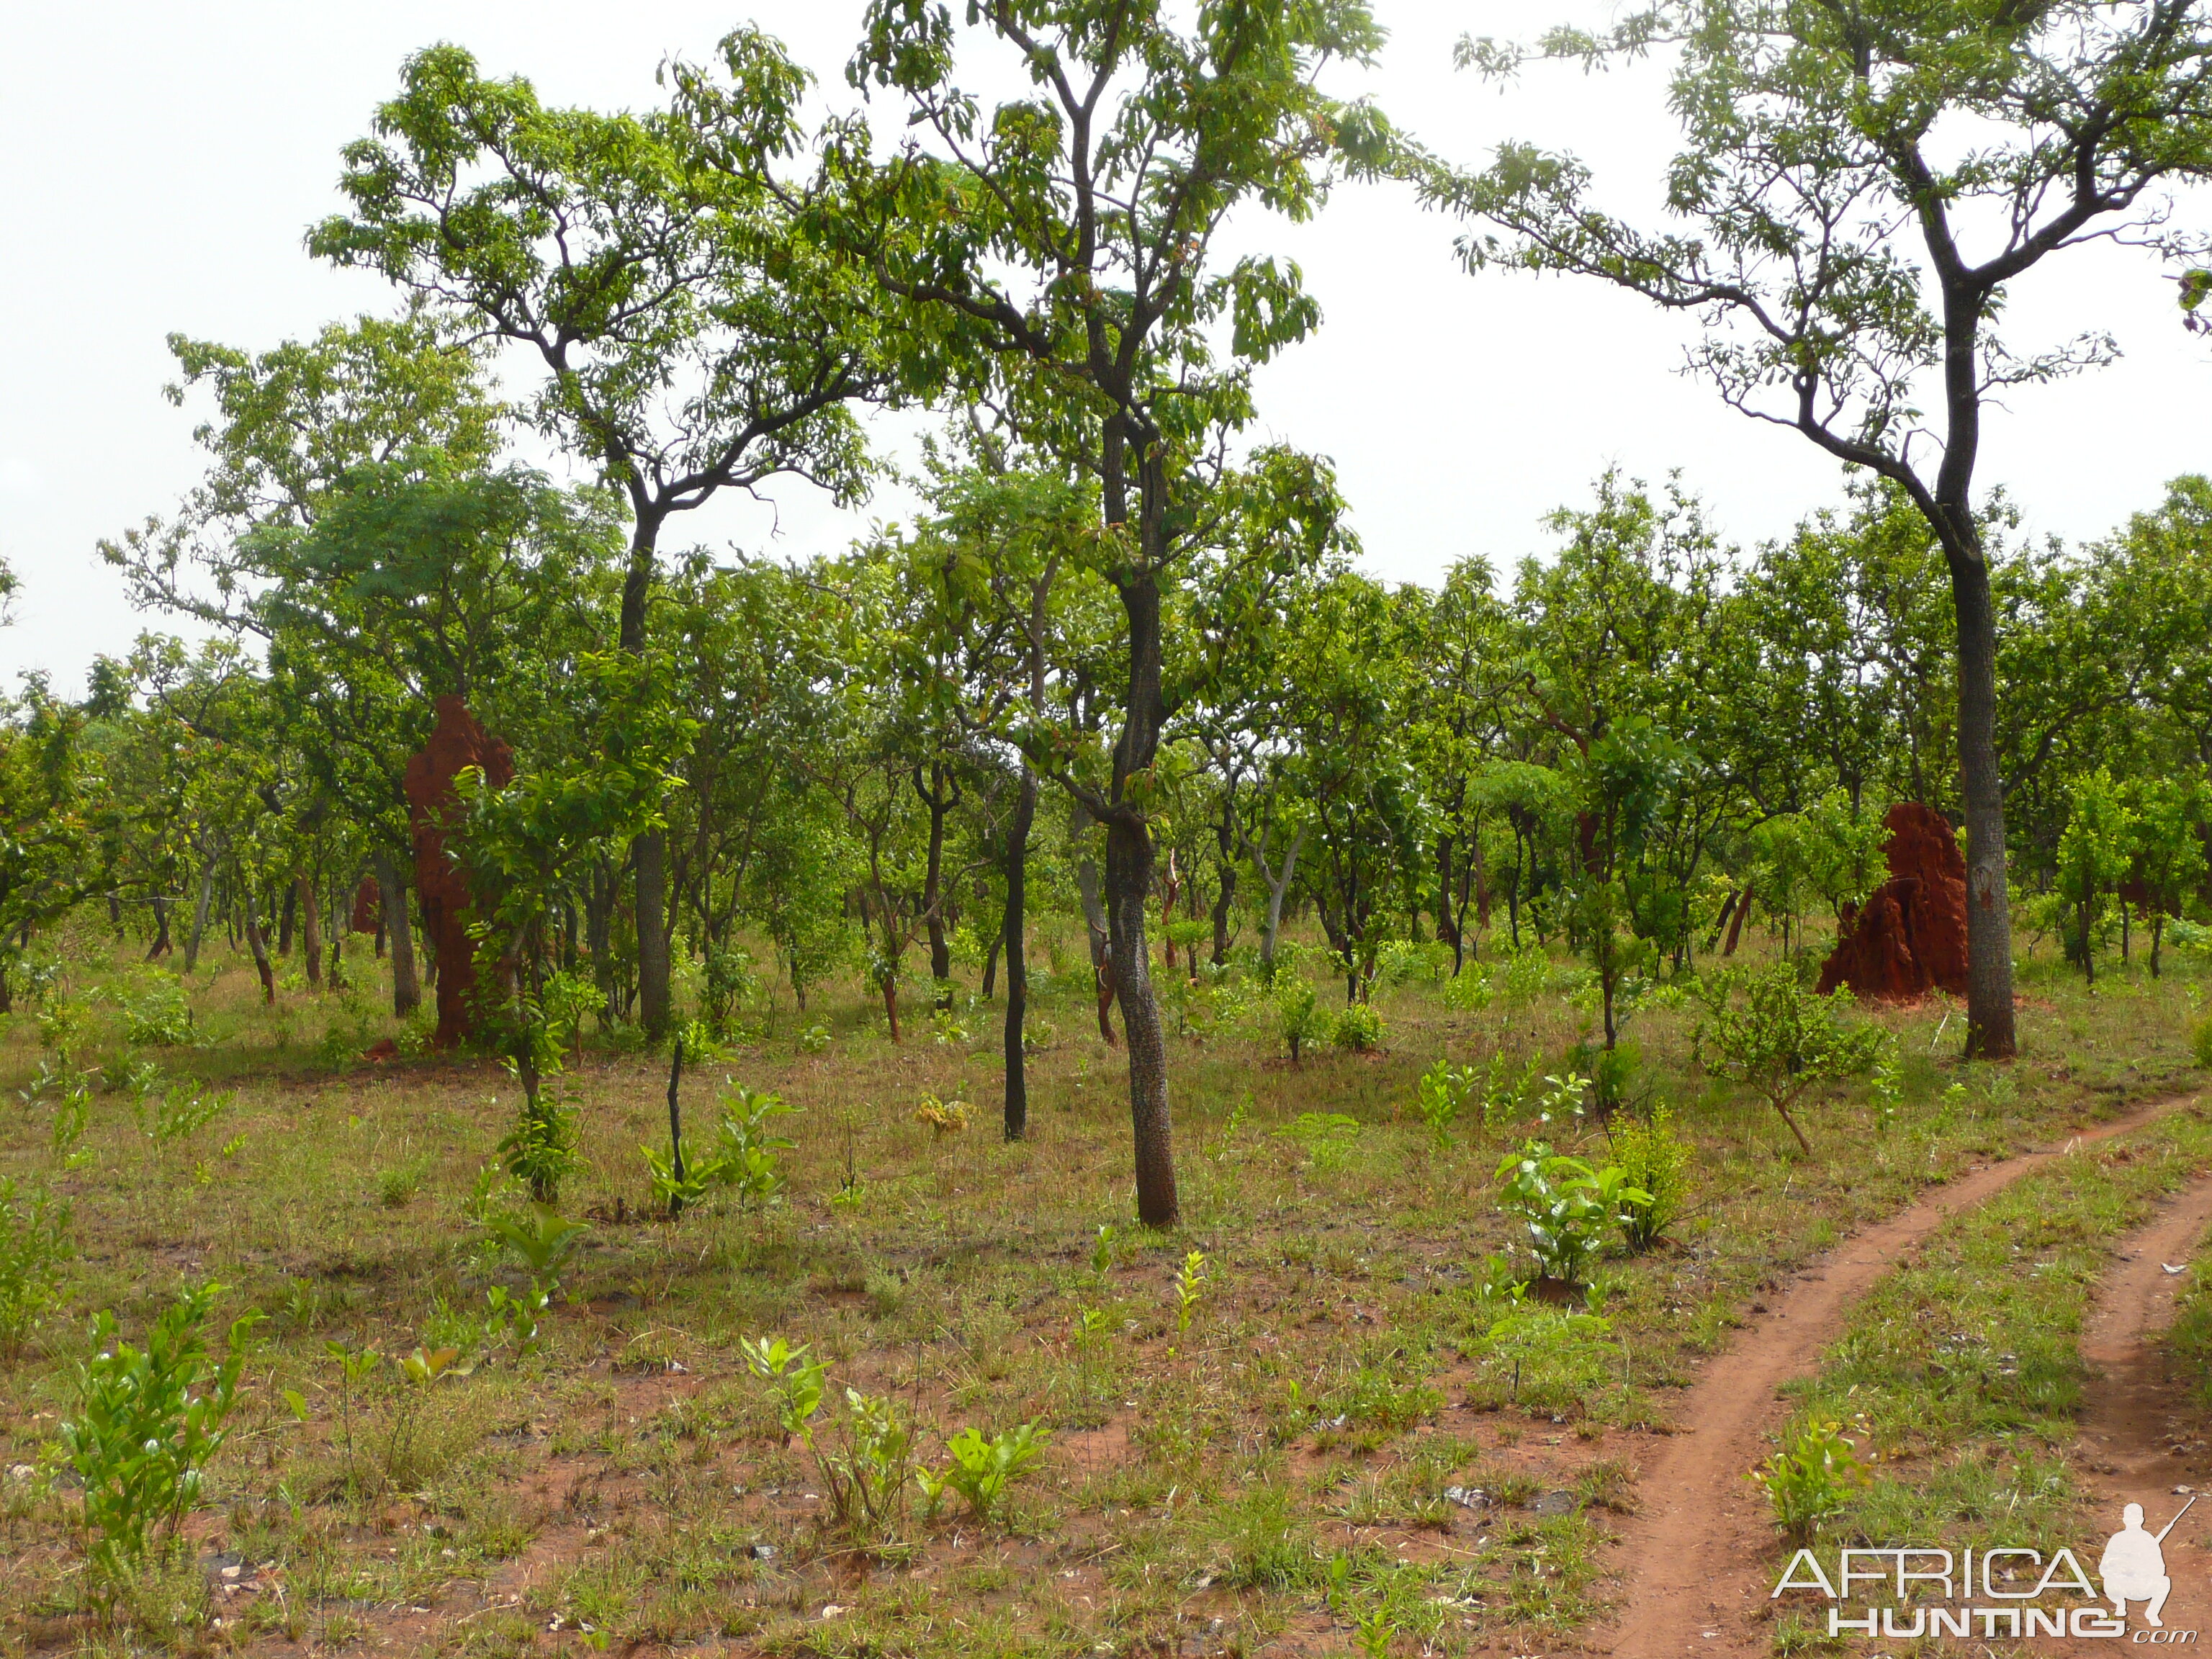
pixel 1694 1559
pixel 2142 1429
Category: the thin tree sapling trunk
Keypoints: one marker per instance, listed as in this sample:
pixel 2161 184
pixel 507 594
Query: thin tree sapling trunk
pixel 311 931
pixel 200 916
pixel 258 946
pixel 1010 935
pixel 399 931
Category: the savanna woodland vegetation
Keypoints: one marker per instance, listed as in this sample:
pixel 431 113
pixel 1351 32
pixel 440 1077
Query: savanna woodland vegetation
pixel 831 946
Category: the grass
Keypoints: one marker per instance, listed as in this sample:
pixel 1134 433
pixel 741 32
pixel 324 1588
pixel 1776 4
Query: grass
pixel 1960 1376
pixel 1276 1475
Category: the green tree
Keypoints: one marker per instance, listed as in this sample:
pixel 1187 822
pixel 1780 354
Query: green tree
pixel 1813 132
pixel 520 844
pixel 2094 855
pixel 695 339
pixel 2168 814
pixel 1069 236
pixel 1350 663
pixel 343 524
pixel 1462 694
pixel 52 800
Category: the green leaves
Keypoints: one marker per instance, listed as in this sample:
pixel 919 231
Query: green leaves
pixel 36 1243
pixel 1810 1480
pixel 982 1468
pixel 794 1381
pixel 1566 1206
pixel 745 1160
pixel 634 254
pixel 146 1424
pixel 1783 1040
pixel 540 1236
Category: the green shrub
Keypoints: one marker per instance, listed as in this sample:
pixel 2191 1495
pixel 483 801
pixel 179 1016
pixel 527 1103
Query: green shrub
pixel 1656 1161
pixel 35 1244
pixel 1297 1016
pixel 1442 1089
pixel 147 1422
pixel 981 1470
pixel 337 1050
pixel 1783 1040
pixel 173 1109
pixel 1565 1204
pixel 747 1151
pixel 1810 1479
pixel 541 1149
pixel 1506 1089
pixel 731 982
pixel 1358 1029
pixel 744 1158
pixel 1527 971
pixel 1548 1359
pixel 2200 1042
pixel 544 1240
pixel 161 1018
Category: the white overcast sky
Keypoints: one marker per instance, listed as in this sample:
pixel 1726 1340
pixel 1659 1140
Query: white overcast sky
pixel 162 162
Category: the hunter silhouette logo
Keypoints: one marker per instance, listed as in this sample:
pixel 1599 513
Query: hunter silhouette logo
pixel 2133 1565
pixel 1999 1592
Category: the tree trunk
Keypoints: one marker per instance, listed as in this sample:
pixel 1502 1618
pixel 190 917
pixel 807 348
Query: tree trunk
pixel 991 967
pixel 1991 1033
pixel 160 946
pixel 1128 884
pixel 1278 885
pixel 392 892
pixel 199 917
pixel 1735 926
pixel 598 936
pixel 311 931
pixel 1102 949
pixel 653 1004
pixel 650 850
pixel 1129 845
pixel 940 800
pixel 1169 891
pixel 1448 927
pixel 258 946
pixel 1018 976
pixel 1225 900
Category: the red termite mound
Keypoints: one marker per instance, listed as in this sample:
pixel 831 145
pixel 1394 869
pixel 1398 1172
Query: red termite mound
pixel 457 742
pixel 1910 937
pixel 367 907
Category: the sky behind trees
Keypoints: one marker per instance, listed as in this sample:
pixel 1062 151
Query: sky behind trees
pixel 166 162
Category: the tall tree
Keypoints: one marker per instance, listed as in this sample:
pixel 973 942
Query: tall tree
pixel 1816 131
pixel 376 406
pixel 1070 235
pixel 694 340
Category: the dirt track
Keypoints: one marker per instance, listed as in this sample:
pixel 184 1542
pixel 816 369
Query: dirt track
pixel 2141 1434
pixel 1696 1555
